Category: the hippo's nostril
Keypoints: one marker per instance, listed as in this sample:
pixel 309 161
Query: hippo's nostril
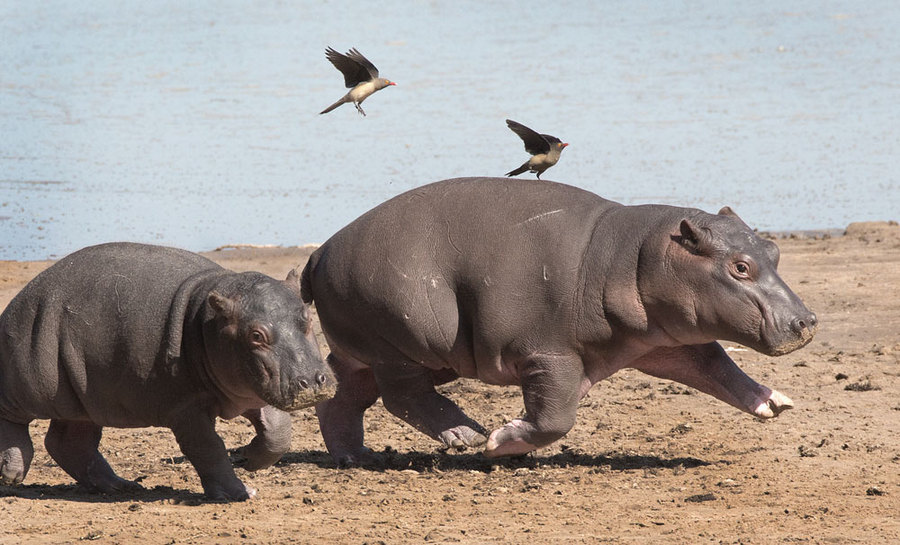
pixel 799 325
pixel 303 384
pixel 320 379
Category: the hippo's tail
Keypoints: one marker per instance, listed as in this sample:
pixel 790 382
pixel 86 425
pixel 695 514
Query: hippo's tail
pixel 306 292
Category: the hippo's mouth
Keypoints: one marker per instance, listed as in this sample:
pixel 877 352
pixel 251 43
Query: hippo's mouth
pixel 789 345
pixel 778 341
pixel 303 398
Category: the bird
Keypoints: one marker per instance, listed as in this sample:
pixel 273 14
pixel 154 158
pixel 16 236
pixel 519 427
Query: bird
pixel 360 76
pixel 544 149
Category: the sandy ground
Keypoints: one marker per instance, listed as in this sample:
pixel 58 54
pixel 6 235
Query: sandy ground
pixel 648 461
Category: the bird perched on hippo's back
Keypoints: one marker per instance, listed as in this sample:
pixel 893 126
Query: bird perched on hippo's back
pixel 360 76
pixel 544 149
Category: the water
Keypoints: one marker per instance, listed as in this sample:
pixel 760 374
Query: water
pixel 195 124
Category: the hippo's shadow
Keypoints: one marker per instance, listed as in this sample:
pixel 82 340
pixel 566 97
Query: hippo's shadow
pixel 390 459
pixel 73 492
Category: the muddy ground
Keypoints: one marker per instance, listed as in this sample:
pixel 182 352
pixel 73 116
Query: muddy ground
pixel 647 462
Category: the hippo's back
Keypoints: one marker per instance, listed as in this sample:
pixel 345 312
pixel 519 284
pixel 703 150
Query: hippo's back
pixel 83 313
pixel 102 275
pixel 467 220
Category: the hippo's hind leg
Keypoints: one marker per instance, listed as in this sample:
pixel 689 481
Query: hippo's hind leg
pixel 273 437
pixel 16 452
pixel 341 417
pixel 73 445
pixel 551 388
pixel 407 390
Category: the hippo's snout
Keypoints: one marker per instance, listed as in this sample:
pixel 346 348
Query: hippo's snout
pixel 304 392
pixel 802 325
pixel 802 330
pixel 320 381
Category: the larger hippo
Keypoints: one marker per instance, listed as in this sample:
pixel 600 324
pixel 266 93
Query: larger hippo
pixel 131 335
pixel 545 286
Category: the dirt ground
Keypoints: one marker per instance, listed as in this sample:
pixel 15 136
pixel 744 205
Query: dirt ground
pixel 647 462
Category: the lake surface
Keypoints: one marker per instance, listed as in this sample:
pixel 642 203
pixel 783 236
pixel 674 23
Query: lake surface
pixel 195 124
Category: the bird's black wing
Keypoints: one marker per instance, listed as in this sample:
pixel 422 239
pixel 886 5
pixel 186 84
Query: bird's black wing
pixel 358 57
pixel 354 72
pixel 535 143
pixel 551 139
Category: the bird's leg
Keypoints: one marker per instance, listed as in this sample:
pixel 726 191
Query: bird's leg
pixel 359 109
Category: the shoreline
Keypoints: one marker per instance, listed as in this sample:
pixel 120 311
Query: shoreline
pixel 801 234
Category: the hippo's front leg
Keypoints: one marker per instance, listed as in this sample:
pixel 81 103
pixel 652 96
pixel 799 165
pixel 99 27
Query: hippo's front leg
pixel 708 368
pixel 273 437
pixel 197 437
pixel 551 387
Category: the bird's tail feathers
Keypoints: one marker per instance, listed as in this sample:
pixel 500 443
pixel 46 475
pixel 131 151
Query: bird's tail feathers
pixel 518 171
pixel 333 106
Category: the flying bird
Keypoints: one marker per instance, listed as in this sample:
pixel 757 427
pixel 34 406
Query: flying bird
pixel 360 76
pixel 544 149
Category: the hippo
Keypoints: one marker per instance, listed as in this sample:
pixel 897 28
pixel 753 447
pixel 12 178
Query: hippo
pixel 132 335
pixel 545 286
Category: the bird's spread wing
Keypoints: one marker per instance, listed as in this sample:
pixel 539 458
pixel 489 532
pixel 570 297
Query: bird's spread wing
pixel 354 72
pixel 356 56
pixel 535 143
pixel 551 139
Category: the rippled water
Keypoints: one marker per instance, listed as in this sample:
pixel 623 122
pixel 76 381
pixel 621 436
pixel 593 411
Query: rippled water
pixel 196 124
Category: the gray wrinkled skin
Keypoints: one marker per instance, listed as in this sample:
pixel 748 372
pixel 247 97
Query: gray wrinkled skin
pixel 131 335
pixel 545 286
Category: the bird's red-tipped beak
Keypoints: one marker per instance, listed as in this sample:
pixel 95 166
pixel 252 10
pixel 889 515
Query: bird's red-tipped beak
pixel 564 144
pixel 392 83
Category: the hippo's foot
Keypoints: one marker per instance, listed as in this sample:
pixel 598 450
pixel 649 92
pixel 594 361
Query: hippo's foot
pixel 12 466
pixel 510 440
pixel 256 456
pixel 226 490
pixel 273 438
pixel 16 452
pixel 774 405
pixel 358 458
pixel 107 483
pixel 462 437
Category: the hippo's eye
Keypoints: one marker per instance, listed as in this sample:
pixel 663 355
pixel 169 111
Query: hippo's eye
pixel 741 269
pixel 257 336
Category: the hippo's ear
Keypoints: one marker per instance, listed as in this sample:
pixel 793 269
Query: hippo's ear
pixel 293 281
pixel 695 239
pixel 727 211
pixel 224 306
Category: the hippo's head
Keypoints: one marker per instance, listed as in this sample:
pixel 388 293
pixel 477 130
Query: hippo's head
pixel 720 283
pixel 260 344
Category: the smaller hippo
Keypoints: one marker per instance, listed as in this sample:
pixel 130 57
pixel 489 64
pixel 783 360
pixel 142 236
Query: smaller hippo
pixel 544 286
pixel 132 335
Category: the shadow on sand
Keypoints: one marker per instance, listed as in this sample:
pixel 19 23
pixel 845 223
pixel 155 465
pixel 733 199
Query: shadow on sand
pixel 385 460
pixel 390 459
